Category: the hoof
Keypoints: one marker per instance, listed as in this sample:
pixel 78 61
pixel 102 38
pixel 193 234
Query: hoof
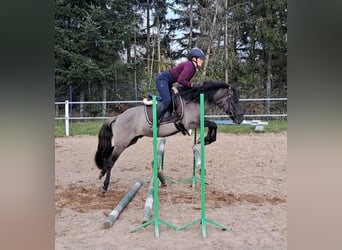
pixel 102 191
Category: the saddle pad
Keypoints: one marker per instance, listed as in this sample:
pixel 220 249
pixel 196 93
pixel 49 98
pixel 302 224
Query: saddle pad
pixel 177 114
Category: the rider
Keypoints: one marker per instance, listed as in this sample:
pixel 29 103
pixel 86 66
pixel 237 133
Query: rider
pixel 182 74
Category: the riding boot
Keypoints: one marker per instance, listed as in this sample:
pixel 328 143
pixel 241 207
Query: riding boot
pixel 161 110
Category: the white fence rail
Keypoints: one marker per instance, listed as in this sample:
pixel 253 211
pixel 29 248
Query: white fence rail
pixel 67 116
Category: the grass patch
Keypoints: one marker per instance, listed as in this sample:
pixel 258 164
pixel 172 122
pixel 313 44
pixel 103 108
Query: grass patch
pixel 78 127
pixel 89 127
pixel 274 126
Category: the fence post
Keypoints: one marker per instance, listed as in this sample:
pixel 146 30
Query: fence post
pixel 67 118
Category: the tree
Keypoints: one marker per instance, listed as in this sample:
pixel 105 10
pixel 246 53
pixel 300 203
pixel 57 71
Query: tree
pixel 107 49
pixel 90 37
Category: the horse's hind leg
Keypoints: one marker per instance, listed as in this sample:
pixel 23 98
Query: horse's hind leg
pixel 108 165
pixel 106 181
pixel 110 161
pixel 102 173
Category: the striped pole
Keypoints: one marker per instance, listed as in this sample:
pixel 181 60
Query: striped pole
pixel 161 149
pixel 197 156
pixel 148 203
pixel 122 204
pixel 149 200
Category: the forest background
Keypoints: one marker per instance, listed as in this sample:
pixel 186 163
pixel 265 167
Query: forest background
pixel 111 50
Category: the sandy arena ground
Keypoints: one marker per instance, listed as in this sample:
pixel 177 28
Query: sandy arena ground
pixel 246 191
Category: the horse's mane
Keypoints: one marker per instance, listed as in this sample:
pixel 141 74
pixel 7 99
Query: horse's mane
pixel 209 88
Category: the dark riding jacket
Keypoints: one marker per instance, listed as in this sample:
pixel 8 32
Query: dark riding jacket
pixel 183 73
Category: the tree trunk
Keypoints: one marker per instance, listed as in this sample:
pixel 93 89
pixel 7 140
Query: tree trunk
pixel 104 98
pixel 191 25
pixel 158 45
pixel 135 66
pixel 226 41
pixel 268 82
pixel 148 51
pixel 211 38
pixel 128 51
pixel 82 99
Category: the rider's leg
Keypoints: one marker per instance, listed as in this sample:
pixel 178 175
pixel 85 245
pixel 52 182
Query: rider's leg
pixel 164 92
pixel 161 110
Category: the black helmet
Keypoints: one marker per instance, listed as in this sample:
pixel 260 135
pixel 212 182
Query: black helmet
pixel 196 52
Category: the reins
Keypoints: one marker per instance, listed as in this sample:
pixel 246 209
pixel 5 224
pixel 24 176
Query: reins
pixel 188 91
pixel 196 98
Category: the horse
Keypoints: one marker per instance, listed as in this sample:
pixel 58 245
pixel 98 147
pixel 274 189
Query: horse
pixel 131 125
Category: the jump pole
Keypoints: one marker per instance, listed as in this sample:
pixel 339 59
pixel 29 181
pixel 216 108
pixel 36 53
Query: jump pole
pixel 148 203
pixel 161 149
pixel 156 220
pixel 203 220
pixel 163 178
pixel 196 161
pixel 149 200
pixel 122 204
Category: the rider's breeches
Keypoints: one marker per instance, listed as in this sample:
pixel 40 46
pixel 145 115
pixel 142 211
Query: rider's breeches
pixel 164 82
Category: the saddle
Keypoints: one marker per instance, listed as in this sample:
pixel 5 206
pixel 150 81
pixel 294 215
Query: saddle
pixel 174 113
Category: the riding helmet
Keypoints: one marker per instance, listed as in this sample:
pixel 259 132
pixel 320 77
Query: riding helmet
pixel 196 52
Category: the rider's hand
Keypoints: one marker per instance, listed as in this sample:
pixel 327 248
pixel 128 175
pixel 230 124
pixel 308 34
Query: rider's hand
pixel 175 90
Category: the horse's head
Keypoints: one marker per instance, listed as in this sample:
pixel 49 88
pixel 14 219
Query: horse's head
pixel 228 99
pixel 219 93
pixel 233 107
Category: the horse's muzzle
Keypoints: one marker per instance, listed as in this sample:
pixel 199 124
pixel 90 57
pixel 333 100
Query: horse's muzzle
pixel 238 118
pixel 238 115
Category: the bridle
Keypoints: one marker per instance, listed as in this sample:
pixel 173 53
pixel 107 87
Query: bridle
pixel 231 102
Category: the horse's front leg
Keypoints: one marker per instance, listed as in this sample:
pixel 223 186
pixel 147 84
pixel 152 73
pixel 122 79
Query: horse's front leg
pixel 212 130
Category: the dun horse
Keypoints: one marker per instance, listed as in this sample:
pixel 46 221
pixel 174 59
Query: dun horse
pixel 134 123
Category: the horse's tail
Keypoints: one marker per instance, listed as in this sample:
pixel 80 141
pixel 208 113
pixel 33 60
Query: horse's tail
pixel 104 147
